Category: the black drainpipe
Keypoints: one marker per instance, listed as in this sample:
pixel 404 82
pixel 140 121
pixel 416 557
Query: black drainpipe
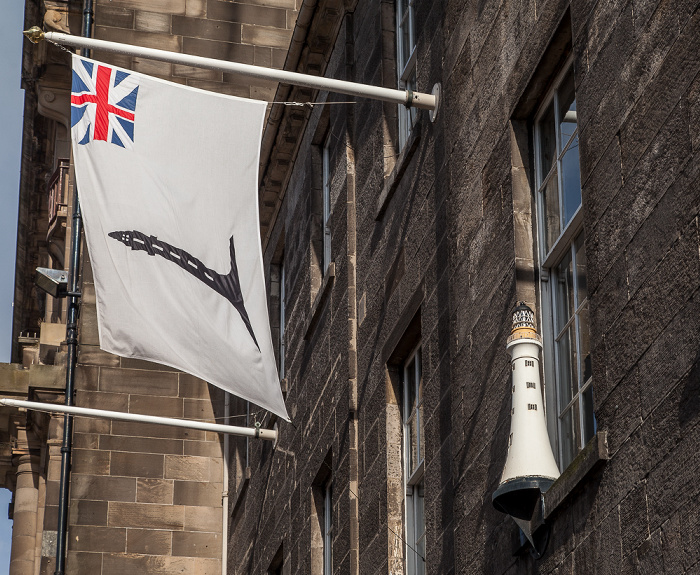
pixel 72 343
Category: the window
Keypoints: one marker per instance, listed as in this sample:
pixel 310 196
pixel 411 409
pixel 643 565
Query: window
pixel 413 463
pixel 328 528
pixel 563 270
pixel 282 318
pixel 406 63
pixel 326 205
pixel 321 523
pixel 276 305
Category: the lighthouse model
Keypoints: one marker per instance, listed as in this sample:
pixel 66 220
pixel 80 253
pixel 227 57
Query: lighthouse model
pixel 530 466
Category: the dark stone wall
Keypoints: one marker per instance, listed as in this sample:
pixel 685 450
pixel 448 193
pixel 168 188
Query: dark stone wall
pixel 639 171
pixel 441 236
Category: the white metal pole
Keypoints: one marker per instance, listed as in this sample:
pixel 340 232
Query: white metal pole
pixel 406 97
pixel 270 434
pixel 224 495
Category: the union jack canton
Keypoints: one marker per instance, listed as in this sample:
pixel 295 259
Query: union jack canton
pixel 103 104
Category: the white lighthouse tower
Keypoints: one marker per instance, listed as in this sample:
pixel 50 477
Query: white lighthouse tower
pixel 530 466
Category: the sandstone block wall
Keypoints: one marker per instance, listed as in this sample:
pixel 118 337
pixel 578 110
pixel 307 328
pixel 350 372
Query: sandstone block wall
pixel 143 497
pixel 147 498
pixel 253 32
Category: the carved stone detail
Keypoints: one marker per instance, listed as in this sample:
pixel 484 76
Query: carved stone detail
pixel 54 103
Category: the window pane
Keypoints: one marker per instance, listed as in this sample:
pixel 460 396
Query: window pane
pixel 420 562
pixel 567 109
pixel 571 181
pixel 588 416
pixel 326 204
pixel 581 282
pixel 413 448
pixel 282 320
pixel 419 375
pixel 410 388
pixel 404 13
pixel 550 201
pixel 410 531
pixel 548 142
pixel 566 376
pixel 585 344
pixel 421 437
pixel 405 43
pixel 564 293
pixel 419 494
pixel 567 436
pixel 419 409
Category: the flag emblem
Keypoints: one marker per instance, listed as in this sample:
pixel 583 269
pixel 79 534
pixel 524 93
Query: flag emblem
pixel 103 104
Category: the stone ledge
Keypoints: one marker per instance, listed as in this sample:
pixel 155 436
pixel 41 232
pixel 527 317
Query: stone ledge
pixel 324 290
pixel 16 381
pixel 533 535
pixel 591 456
pixel 392 181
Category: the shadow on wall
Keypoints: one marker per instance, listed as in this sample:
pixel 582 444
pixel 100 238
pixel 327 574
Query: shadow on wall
pixel 689 407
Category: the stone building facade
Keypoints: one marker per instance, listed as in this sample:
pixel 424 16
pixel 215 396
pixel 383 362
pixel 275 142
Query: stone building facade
pixel 143 498
pixel 560 170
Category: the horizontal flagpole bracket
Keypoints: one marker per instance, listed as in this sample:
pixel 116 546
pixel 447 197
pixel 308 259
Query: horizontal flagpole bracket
pixel 415 100
pixel 437 94
pixel 254 432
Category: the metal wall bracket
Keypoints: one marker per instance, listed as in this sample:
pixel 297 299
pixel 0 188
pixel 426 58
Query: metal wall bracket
pixel 535 531
pixel 437 92
pixel 53 282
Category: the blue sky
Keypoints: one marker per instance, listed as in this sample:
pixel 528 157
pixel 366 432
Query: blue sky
pixel 11 107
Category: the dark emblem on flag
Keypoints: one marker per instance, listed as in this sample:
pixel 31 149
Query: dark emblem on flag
pixel 228 285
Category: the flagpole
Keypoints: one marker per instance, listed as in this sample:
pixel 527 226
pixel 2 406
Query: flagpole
pixel 408 98
pixel 72 355
pixel 254 432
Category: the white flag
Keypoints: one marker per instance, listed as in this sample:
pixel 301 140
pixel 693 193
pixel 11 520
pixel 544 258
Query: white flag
pixel 168 178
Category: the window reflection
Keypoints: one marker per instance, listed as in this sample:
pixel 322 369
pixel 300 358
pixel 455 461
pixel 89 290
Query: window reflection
pixel 548 142
pixel 571 181
pixel 567 109
pixel 567 438
pixel 564 287
pixel 581 283
pixel 414 453
pixel 589 424
pixel 585 345
pixel 564 295
pixel 550 198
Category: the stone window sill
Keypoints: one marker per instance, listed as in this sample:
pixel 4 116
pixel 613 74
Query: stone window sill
pixel 594 454
pixel 392 181
pixel 328 280
pixel 591 456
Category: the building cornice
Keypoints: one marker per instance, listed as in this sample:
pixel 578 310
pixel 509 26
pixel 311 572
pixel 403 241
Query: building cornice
pixel 315 33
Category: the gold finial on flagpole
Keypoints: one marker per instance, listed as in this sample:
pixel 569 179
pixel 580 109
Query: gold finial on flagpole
pixel 35 34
